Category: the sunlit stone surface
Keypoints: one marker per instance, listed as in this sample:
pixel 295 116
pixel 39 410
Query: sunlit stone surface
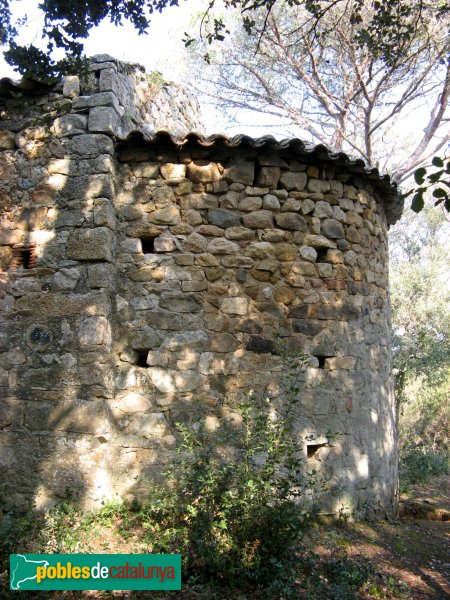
pixel 142 283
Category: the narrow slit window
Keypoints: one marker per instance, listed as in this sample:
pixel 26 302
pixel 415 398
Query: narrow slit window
pixel 142 359
pixel 322 360
pixel 148 245
pixel 321 254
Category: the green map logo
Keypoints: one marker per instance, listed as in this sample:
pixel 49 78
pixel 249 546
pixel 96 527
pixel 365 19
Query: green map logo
pixel 95 572
pixel 23 569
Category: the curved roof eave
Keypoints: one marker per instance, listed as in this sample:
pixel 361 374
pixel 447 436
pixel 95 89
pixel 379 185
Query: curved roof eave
pixel 384 185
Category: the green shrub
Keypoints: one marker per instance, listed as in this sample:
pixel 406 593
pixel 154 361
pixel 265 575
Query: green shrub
pixel 418 465
pixel 234 511
pixel 338 578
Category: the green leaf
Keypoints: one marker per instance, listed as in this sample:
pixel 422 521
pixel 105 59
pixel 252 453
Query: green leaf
pixel 417 203
pixel 437 162
pixel 439 193
pixel 419 175
pixel 434 177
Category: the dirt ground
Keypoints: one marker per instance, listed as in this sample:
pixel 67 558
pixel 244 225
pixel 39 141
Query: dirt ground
pixel 411 554
pixel 408 558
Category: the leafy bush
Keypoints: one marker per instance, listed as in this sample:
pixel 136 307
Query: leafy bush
pixel 421 347
pixel 234 510
pixel 339 578
pixel 419 465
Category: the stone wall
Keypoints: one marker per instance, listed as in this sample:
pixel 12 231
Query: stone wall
pixel 111 97
pixel 142 282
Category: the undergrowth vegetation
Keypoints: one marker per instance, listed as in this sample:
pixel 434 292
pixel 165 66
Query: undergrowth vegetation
pixel 420 306
pixel 117 528
pixel 235 511
pixel 419 465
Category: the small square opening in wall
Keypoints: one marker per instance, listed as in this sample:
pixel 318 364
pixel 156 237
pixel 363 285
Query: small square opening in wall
pixel 23 257
pixel 142 359
pixel 321 358
pixel 148 245
pixel 321 255
pixel 312 449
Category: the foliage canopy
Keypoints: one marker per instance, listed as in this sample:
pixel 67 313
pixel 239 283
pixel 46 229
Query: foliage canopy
pixel 421 342
pixel 67 22
pixel 324 85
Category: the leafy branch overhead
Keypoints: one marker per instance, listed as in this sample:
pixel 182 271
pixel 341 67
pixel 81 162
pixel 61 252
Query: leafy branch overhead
pixel 392 24
pixel 67 22
pixel 437 182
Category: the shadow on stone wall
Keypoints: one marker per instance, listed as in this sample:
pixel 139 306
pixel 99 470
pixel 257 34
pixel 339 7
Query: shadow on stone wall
pixel 106 344
pixel 60 382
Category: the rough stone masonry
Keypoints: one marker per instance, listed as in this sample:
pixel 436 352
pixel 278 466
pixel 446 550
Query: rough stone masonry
pixel 144 274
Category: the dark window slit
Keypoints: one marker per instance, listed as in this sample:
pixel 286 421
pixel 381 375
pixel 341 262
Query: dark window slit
pixel 142 359
pixel 312 449
pixel 23 257
pixel 148 245
pixel 322 360
pixel 321 254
